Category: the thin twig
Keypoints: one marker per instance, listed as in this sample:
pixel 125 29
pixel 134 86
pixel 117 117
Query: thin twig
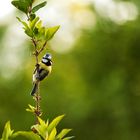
pixel 43 47
pixel 37 99
pixel 37 96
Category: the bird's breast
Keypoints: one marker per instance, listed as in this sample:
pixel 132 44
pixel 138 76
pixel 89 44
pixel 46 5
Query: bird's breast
pixel 45 67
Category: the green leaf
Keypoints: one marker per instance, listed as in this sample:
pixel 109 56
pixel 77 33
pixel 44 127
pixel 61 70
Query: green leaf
pixel 42 123
pixel 31 108
pixel 33 23
pixel 32 17
pixel 29 135
pixel 52 134
pixel 23 22
pixel 50 32
pixel 41 128
pixel 7 132
pixel 41 33
pixel 28 31
pixel 39 24
pixel 54 123
pixel 68 138
pixel 35 31
pixel 21 5
pixel 63 133
pixel 30 2
pixel 37 7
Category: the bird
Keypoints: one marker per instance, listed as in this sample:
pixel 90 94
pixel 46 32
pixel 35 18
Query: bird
pixel 42 70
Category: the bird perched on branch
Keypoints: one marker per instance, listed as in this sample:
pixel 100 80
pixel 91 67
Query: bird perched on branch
pixel 42 70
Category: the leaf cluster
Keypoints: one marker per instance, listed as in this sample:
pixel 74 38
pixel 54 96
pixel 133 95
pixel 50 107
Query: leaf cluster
pixel 36 30
pixel 44 131
pixel 33 27
pixel 26 6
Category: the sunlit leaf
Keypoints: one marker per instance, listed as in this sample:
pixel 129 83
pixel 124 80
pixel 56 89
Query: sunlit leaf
pixel 54 123
pixel 7 132
pixel 52 134
pixel 49 33
pixel 36 8
pixel 63 133
pixel 23 22
pixel 41 33
pixel 68 138
pixel 41 122
pixel 41 128
pixel 39 24
pixel 29 33
pixel 31 108
pixel 28 135
pixel 33 23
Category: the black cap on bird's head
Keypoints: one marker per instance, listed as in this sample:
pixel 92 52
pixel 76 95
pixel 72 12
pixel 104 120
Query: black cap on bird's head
pixel 47 56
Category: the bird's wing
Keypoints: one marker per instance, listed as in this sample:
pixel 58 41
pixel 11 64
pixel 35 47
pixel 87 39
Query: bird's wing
pixel 42 74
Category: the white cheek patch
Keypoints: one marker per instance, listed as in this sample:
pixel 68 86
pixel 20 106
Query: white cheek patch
pixel 50 57
pixel 44 60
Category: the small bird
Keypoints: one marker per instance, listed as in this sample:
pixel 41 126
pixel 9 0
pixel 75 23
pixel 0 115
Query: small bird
pixel 43 70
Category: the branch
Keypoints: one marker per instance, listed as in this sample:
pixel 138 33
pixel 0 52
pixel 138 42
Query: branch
pixel 37 96
pixel 43 47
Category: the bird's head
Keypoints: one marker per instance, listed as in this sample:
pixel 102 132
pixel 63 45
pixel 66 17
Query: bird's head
pixel 47 59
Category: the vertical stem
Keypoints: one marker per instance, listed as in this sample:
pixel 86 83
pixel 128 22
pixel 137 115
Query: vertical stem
pixel 37 96
pixel 37 99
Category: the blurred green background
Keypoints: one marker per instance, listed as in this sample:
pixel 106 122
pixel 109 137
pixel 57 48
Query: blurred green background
pixel 96 71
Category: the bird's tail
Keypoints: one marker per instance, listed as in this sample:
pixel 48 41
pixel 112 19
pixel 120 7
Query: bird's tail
pixel 34 90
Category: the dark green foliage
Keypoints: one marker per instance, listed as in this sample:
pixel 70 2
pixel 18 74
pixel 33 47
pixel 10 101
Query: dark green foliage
pixel 26 5
pixel 32 16
pixel 21 6
pixel 36 8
